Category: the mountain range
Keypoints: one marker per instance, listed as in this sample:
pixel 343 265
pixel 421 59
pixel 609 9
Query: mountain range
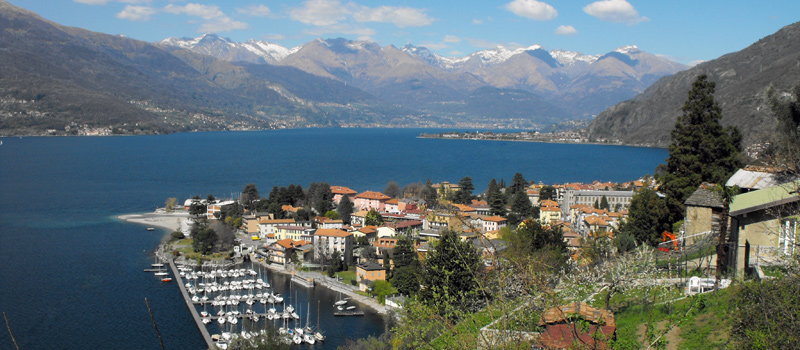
pixel 566 85
pixel 741 79
pixel 65 80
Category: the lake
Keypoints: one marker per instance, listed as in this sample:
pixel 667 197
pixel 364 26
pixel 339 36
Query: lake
pixel 72 274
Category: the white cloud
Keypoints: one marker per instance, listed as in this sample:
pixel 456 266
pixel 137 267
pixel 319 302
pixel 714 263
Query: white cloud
pixel 103 2
pixel 452 39
pixel 532 9
pixel 320 12
pixel 617 11
pixel 477 21
pixel 221 24
pixel 273 36
pixel 216 20
pixel 255 10
pixel 195 10
pixel 341 29
pixel 566 30
pixel 92 2
pixel 331 12
pixel 136 13
pixel 399 16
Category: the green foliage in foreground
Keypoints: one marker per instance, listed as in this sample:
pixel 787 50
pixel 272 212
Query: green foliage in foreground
pixel 767 313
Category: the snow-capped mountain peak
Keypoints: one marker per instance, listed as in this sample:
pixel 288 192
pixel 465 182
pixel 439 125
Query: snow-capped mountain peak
pixel 628 49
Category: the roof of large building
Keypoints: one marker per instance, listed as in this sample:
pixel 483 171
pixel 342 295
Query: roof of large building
pixel 495 219
pixel 332 232
pixel 371 266
pixel 372 195
pixel 268 221
pixel 342 190
pixel 766 198
pixel 752 177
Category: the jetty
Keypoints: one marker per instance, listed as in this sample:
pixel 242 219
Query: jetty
pixel 197 319
pixel 349 313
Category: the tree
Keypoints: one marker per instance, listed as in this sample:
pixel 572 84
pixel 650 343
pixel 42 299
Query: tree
pixel 210 198
pixel 647 218
pixel 531 237
pixel 406 279
pixel 450 277
pixel 429 194
pixel 345 209
pixel 392 189
pixel 547 192
pixel 496 200
pixel 403 253
pixel 169 203
pixel 320 197
pixel 249 196
pixel 604 203
pixel 373 218
pixel 521 206
pixel 464 195
pixel 765 314
pixel 204 240
pixel 333 215
pixel 518 184
pixel 701 149
pixel 785 152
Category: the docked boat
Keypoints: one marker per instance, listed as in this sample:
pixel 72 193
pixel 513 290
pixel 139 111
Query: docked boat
pixel 166 279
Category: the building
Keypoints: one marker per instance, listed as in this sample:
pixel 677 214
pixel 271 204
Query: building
pixel 549 214
pixel 281 251
pixel 764 226
pixel 368 273
pixel 270 226
pixel 213 208
pixel 341 191
pixel 616 199
pixel 327 241
pixel 371 200
pixel 703 210
pixel 492 223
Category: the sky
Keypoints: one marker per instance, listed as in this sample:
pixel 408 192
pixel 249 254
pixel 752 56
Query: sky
pixel 686 31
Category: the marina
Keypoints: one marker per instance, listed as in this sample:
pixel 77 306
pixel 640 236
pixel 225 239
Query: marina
pixel 238 297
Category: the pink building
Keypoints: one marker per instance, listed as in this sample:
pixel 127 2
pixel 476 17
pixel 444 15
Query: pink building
pixel 371 200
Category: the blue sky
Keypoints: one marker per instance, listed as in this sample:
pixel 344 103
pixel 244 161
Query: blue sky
pixel 687 31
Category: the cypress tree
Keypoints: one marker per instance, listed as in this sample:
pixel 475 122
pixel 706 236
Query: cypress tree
pixel 701 149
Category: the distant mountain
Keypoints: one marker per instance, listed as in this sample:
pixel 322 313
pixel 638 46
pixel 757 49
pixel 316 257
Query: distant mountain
pixel 63 80
pixel 572 85
pixel 741 81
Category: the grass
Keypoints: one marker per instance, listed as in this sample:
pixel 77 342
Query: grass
pixel 707 326
pixel 348 275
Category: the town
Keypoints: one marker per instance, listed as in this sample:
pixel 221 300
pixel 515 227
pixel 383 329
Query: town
pixel 377 236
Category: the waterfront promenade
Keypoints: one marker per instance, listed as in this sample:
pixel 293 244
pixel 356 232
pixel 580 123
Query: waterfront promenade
pixel 332 284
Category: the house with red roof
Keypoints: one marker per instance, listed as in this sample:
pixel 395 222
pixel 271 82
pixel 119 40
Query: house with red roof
pixel 371 200
pixel 341 191
pixel 329 240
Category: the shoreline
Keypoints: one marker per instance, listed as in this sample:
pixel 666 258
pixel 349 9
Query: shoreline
pixel 176 221
pixel 169 221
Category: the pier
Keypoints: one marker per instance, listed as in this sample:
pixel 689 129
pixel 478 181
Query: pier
pixel 192 309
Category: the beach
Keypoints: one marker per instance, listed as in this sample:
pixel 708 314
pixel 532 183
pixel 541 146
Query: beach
pixel 171 221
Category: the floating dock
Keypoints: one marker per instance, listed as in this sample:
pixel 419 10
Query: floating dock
pixel 349 313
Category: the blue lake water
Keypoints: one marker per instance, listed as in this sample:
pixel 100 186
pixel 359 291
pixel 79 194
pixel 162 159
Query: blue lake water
pixel 71 274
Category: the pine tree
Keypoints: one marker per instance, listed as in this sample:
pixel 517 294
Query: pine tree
pixel 496 200
pixel 345 209
pixel 701 150
pixel 518 184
